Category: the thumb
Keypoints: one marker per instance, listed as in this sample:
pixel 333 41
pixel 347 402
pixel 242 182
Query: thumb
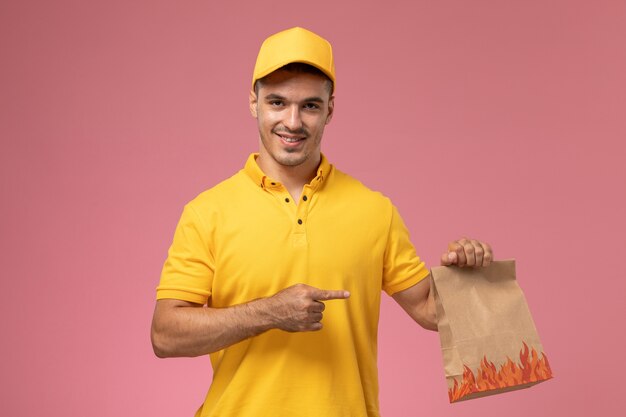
pixel 449 258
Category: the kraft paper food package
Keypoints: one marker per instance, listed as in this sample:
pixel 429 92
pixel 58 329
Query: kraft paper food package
pixel 488 339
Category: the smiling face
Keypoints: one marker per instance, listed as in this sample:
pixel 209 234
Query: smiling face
pixel 292 109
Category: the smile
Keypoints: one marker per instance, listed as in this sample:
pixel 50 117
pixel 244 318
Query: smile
pixel 289 140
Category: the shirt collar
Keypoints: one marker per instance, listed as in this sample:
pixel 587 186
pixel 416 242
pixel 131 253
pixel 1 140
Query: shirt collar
pixel 258 176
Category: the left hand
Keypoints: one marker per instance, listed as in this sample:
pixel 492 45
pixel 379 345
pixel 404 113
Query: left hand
pixel 467 252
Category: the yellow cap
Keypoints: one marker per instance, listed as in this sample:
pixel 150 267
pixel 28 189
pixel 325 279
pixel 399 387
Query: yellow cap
pixel 294 45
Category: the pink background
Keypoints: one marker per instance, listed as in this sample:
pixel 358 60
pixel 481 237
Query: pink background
pixel 496 119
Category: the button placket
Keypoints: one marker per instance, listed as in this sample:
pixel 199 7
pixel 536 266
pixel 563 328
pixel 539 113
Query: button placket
pixel 302 210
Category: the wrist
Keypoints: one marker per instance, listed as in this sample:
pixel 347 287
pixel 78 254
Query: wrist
pixel 261 312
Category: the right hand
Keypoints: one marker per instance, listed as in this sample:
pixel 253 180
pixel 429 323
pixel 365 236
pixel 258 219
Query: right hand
pixel 299 308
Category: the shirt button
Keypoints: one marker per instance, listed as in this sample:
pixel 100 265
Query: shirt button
pixel 304 198
pixel 299 221
pixel 286 200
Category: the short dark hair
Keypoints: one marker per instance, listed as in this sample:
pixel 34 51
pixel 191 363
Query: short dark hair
pixel 298 68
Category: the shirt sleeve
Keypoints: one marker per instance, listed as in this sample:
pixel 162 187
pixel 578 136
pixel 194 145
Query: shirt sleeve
pixel 402 268
pixel 188 270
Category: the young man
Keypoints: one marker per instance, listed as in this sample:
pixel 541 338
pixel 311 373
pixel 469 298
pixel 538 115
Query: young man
pixel 277 272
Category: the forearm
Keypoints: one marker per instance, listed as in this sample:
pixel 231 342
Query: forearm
pixel 428 316
pixel 180 330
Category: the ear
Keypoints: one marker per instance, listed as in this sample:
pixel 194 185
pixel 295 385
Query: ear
pixel 252 101
pixel 331 109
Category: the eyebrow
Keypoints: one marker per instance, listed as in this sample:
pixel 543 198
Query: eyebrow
pixel 314 99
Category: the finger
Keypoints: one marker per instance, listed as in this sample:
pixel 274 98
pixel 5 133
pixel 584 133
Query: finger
pixel 322 295
pixel 474 252
pixel 313 327
pixel 317 307
pixel 315 317
pixel 488 255
pixel 309 327
pixel 478 252
pixel 448 258
pixel 470 253
pixel 457 248
pixel 463 240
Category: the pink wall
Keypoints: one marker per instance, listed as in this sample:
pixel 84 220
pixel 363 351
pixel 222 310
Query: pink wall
pixel 497 119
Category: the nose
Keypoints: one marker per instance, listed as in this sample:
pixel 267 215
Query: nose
pixel 293 121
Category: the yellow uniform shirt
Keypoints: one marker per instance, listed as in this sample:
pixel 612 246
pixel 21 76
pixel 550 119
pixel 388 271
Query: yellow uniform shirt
pixel 246 238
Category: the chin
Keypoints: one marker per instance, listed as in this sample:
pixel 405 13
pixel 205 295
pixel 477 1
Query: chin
pixel 290 159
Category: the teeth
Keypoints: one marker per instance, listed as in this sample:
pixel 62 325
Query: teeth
pixel 290 140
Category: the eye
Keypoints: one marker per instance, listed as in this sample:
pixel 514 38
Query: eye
pixel 311 106
pixel 276 103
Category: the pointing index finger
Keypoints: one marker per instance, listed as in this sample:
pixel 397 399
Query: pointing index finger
pixel 323 295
